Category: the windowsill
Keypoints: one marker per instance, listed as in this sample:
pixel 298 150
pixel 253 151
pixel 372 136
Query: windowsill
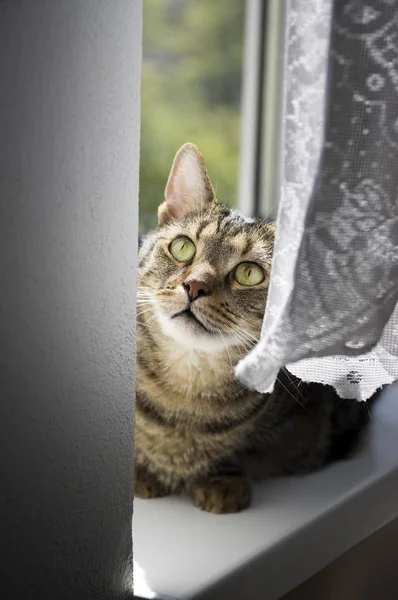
pixel 294 528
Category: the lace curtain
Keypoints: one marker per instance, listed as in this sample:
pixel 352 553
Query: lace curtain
pixel 332 313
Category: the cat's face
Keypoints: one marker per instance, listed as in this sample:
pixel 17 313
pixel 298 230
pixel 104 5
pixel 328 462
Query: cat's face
pixel 204 272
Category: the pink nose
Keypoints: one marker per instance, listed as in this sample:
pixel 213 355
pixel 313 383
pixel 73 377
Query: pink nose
pixel 195 289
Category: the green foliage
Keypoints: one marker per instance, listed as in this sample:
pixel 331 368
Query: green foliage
pixel 191 82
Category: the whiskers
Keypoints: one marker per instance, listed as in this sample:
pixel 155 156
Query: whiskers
pixel 245 340
pixel 144 306
pixel 144 321
pixel 144 297
pixel 143 312
pixel 295 387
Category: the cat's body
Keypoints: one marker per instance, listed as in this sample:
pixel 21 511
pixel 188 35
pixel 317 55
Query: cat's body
pixel 197 427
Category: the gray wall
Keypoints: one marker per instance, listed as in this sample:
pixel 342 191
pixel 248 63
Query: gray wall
pixel 69 132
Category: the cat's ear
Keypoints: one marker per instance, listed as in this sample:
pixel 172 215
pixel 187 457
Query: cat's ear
pixel 189 189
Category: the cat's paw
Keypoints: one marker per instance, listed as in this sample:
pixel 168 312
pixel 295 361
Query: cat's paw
pixel 147 486
pixel 222 494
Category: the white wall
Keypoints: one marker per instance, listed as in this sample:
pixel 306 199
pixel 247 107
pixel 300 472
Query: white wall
pixel 69 133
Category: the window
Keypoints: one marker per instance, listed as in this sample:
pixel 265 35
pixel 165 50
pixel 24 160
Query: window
pixel 191 91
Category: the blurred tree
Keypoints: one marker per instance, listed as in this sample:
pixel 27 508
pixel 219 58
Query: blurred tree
pixel 191 80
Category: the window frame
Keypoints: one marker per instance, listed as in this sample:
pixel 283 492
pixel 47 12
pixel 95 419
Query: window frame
pixel 261 112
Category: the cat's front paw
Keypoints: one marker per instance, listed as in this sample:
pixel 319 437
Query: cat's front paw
pixel 222 494
pixel 147 486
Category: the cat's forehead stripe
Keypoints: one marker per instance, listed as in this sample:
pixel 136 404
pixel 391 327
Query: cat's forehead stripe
pixel 222 218
pixel 240 236
pixel 247 247
pixel 202 226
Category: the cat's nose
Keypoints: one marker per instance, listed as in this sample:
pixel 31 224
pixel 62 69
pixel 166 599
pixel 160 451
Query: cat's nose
pixel 195 289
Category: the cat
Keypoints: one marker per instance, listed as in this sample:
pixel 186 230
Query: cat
pixel 202 292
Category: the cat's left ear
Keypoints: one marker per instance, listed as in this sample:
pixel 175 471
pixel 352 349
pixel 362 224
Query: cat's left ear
pixel 189 189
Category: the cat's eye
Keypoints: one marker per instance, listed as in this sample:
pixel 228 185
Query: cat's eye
pixel 182 249
pixel 248 273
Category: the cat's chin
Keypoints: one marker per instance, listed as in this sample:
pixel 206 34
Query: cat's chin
pixel 186 332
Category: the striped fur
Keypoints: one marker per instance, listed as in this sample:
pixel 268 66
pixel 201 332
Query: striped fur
pixel 197 427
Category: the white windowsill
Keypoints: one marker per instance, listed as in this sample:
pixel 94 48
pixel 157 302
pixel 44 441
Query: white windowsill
pixel 294 528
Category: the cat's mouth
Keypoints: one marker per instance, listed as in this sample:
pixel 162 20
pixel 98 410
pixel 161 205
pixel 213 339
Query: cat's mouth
pixel 188 314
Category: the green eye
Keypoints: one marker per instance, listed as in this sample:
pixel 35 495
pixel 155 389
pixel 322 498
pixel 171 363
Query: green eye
pixel 182 249
pixel 248 273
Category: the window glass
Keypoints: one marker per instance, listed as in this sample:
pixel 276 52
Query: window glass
pixel 191 82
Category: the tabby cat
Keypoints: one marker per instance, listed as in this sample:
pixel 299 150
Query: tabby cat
pixel 203 283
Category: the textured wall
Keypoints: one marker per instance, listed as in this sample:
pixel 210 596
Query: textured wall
pixel 69 119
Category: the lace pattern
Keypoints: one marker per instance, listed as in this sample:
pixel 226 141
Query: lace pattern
pixel 332 313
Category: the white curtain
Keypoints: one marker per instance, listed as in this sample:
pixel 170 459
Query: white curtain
pixel 332 312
